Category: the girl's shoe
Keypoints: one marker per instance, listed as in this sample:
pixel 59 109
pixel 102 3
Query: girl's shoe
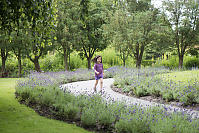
pixel 95 90
pixel 100 91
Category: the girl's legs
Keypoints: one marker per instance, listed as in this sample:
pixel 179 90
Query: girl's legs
pixel 101 84
pixel 96 82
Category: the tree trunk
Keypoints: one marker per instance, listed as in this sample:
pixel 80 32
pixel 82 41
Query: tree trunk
pixel 69 61
pixel 124 62
pixel 138 55
pixel 138 63
pixel 36 63
pixel 89 63
pixel 3 68
pixel 19 63
pixel 123 57
pixel 4 55
pixel 65 59
pixel 180 61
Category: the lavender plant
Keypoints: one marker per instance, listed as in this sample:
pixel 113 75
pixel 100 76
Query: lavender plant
pixel 94 112
pixel 151 82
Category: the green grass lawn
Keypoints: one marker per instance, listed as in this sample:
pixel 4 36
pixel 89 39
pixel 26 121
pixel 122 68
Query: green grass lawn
pixel 183 76
pixel 17 118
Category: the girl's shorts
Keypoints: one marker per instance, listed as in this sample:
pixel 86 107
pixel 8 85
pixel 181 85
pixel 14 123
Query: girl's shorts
pixel 98 77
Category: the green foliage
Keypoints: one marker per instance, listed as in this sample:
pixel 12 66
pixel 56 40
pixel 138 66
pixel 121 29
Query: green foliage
pixel 172 63
pixel 70 111
pixel 167 95
pixel 47 97
pixel 88 117
pixel 51 63
pixel 132 123
pixel 67 29
pixel 147 62
pixel 105 117
pixel 93 15
pixel 94 112
pixel 123 126
pixel 77 62
pixel 192 62
pixel 175 86
pixel 185 21
pixel 173 124
pixel 21 118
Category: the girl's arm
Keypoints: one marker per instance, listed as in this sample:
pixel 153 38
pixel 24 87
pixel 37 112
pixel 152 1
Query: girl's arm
pixel 95 67
pixel 102 69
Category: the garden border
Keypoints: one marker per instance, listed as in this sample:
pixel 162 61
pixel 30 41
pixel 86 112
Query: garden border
pixel 86 87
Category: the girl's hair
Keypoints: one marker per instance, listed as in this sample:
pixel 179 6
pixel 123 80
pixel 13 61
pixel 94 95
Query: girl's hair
pixel 96 57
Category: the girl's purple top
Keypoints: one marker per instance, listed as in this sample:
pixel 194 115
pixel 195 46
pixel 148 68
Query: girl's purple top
pixel 99 68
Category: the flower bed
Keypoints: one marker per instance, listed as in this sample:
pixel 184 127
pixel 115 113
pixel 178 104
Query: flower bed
pixel 154 82
pixel 41 92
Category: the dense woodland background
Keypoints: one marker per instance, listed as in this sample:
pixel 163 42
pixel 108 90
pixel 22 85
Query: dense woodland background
pixel 55 35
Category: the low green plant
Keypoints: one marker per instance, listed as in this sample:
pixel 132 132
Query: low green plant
pixel 70 111
pixel 94 112
pixel 167 96
pixel 191 62
pixel 88 117
pixel 132 123
pixel 47 97
pixel 105 117
pixel 174 124
pixel 123 126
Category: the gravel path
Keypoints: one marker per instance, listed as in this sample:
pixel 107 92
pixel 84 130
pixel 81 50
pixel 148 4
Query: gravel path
pixel 86 87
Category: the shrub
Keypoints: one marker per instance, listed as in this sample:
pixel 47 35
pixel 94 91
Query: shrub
pixel 23 93
pixel 147 62
pixel 70 111
pixel 167 96
pixel 93 111
pixel 123 126
pixel 174 124
pixel 88 117
pixel 105 117
pixel 192 63
pixel 47 98
pixel 132 124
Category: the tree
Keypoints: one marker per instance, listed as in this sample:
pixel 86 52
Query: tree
pixel 93 15
pixel 133 24
pixel 121 33
pixel 67 28
pixel 162 38
pixel 18 48
pixel 4 43
pixel 184 18
pixel 31 12
pixel 39 32
pixel 144 24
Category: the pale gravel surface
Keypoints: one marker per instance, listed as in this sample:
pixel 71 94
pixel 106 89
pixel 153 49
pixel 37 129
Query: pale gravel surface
pixel 86 87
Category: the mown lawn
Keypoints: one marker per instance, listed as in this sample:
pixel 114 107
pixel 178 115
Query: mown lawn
pixel 183 76
pixel 17 118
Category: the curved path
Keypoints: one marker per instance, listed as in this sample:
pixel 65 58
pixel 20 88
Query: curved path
pixel 86 87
